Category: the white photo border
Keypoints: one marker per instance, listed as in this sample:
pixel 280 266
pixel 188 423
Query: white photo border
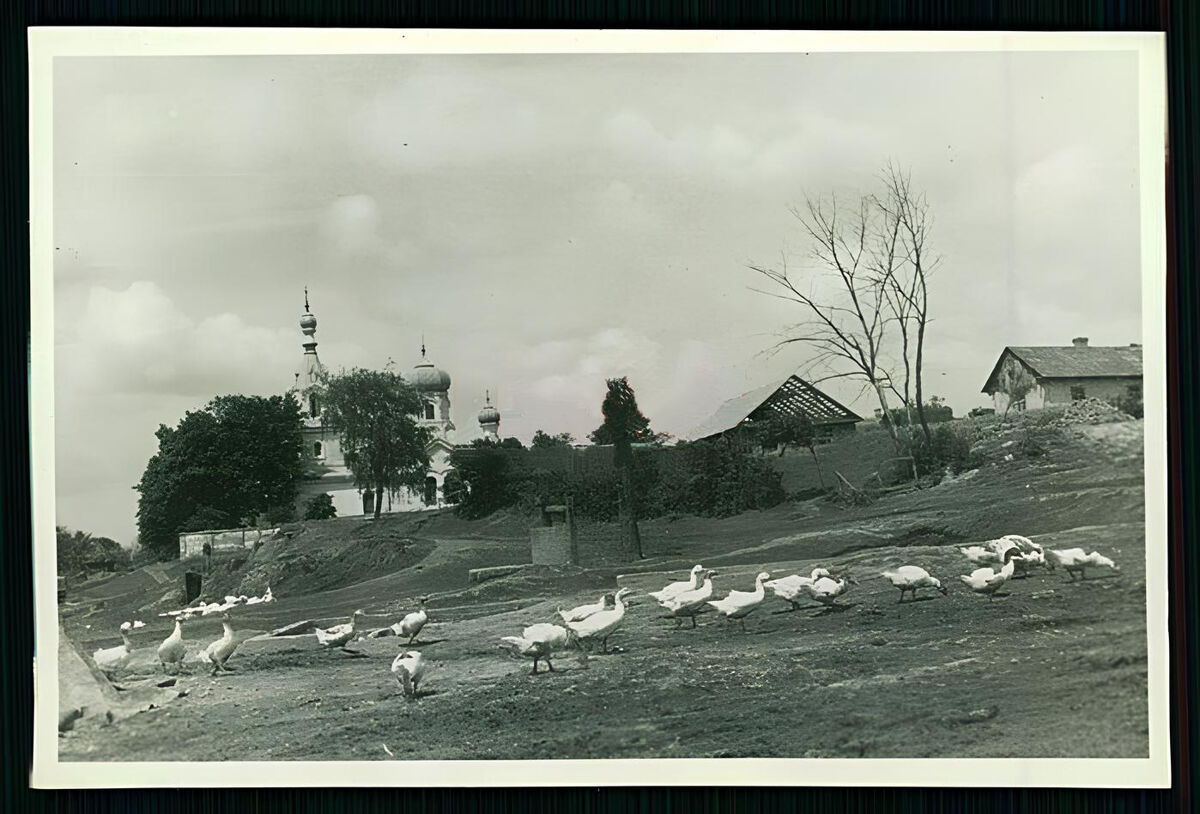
pixel 48 772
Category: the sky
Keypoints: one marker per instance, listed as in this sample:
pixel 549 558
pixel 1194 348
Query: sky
pixel 544 222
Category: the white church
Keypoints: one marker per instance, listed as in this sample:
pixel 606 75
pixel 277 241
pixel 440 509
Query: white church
pixel 322 446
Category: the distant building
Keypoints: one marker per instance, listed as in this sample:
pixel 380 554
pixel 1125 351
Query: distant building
pixel 792 397
pixel 322 448
pixel 1059 375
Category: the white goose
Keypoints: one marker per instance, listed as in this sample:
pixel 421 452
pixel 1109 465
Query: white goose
pixel 679 587
pixel 114 658
pixel 690 603
pixel 910 577
pixel 219 651
pixel 740 604
pixel 409 668
pixel 256 600
pixel 789 588
pixel 412 623
pixel 827 589
pixel 171 651
pixel 980 554
pixel 340 635
pixel 1075 560
pixel 578 614
pixel 603 624
pixel 988 581
pixel 538 642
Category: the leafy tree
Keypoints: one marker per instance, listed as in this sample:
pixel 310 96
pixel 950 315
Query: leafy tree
pixel 70 548
pixel 221 467
pixel 319 507
pixel 488 477
pixel 375 414
pixel 624 425
pixel 1015 381
pixel 543 440
pixel 453 488
pixel 80 552
pixel 512 443
pixel 936 411
pixel 783 431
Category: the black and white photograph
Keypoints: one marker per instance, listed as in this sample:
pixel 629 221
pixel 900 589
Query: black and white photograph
pixel 535 408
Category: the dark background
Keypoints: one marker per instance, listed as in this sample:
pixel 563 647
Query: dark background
pixel 1179 18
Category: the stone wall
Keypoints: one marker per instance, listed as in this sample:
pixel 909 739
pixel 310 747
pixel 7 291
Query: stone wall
pixel 1058 391
pixel 223 540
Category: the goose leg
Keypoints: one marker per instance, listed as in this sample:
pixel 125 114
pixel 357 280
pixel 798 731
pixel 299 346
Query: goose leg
pixel 604 645
pixel 693 622
pixel 550 665
pixel 535 661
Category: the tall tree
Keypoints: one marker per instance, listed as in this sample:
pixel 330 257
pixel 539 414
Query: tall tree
pixel 543 440
pixel 374 413
pixel 864 299
pixel 624 425
pixel 223 466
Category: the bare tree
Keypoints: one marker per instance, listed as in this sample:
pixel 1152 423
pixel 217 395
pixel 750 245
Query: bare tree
pixel 846 325
pixel 908 223
pixel 874 315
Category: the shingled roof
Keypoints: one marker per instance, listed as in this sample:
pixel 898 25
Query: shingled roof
pixel 793 396
pixel 1074 362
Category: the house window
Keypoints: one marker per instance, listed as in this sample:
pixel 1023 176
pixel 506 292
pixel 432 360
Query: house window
pixel 316 449
pixel 1077 392
pixel 428 410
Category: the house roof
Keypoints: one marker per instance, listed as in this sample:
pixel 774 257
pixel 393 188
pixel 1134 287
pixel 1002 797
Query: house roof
pixel 792 396
pixel 1072 362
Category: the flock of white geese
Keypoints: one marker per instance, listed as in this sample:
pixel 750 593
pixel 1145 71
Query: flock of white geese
pixel 582 626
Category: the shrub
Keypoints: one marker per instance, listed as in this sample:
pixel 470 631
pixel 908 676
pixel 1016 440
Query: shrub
pixel 936 412
pixel 283 513
pixel 319 507
pixel 949 447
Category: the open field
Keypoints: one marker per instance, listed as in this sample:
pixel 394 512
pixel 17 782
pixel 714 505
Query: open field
pixel 1048 669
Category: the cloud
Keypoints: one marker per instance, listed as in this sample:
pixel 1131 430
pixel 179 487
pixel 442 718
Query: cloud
pixel 136 340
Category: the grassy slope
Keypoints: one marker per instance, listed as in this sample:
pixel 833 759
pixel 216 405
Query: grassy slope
pixel 1050 669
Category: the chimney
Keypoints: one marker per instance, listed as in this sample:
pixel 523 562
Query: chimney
pixel 1079 341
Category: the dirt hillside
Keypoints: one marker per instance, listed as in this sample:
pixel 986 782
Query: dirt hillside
pixel 1049 668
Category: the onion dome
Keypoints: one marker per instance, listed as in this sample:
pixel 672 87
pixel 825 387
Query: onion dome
pixel 308 322
pixel 489 414
pixel 429 379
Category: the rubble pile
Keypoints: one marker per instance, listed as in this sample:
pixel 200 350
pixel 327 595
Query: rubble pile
pixel 1092 411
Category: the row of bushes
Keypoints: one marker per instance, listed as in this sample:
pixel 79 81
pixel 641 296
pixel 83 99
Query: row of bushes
pixel 711 479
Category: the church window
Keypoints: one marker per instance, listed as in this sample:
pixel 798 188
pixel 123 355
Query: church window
pixel 428 410
pixel 316 449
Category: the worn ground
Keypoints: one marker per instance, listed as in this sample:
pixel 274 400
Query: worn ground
pixel 1048 669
